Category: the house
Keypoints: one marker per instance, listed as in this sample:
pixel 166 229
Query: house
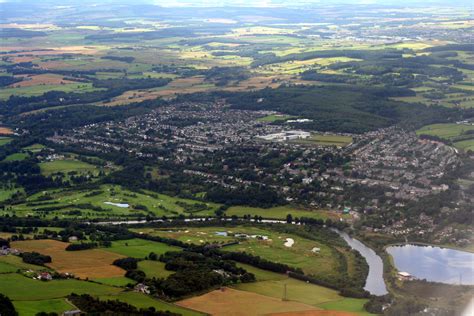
pixel 404 276
pixel 45 276
pixel 73 239
pixel 72 312
pixel 142 288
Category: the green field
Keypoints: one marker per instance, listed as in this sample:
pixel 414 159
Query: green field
pixel 274 118
pixel 445 131
pixel 5 140
pixel 65 166
pixel 154 269
pixel 16 157
pixel 263 275
pixel 279 212
pixel 465 145
pixel 30 91
pixel 34 148
pixel 14 262
pixel 139 248
pixel 31 308
pixel 142 301
pixel 272 284
pixel 20 288
pixel 116 281
pixel 456 133
pixel 326 140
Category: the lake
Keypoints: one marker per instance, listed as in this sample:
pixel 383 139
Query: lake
pixel 375 283
pixel 434 264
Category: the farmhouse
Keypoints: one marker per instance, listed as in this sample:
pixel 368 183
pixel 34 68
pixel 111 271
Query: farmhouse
pixel 404 276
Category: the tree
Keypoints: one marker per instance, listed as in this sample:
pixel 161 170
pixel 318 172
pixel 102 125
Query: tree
pixel 289 219
pixel 6 306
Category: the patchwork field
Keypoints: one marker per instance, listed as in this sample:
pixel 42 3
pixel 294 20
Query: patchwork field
pixel 95 263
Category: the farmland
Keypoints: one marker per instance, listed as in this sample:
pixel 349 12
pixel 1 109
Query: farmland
pixel 96 263
pixel 460 135
pixel 199 156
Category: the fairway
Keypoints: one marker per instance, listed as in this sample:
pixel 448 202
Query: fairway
pixel 95 263
pixel 139 248
pixel 139 204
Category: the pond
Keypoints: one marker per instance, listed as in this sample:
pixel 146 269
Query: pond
pixel 375 283
pixel 434 264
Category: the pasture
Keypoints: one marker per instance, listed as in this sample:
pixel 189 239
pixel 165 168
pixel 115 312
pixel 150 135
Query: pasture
pixel 139 248
pixel 95 263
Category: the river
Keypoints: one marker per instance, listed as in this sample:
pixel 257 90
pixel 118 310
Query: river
pixel 375 283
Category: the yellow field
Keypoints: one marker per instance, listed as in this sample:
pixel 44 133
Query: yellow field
pixel 230 302
pixel 95 263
